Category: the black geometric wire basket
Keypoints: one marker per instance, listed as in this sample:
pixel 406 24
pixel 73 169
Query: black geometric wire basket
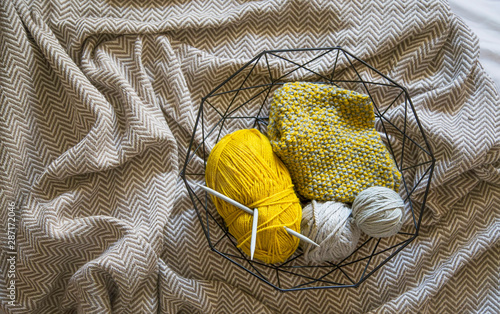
pixel 242 101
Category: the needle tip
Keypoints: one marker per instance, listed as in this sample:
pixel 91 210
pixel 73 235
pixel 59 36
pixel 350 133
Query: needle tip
pixel 300 236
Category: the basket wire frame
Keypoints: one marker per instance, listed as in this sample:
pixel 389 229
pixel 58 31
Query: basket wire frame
pixel 263 74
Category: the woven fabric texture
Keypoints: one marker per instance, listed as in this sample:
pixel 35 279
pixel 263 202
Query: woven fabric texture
pixel 327 139
pixel 98 102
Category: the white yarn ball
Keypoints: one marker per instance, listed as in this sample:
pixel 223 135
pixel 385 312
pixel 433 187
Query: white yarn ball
pixel 331 226
pixel 378 211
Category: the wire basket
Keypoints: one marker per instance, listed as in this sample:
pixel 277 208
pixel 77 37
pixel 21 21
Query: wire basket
pixel 242 101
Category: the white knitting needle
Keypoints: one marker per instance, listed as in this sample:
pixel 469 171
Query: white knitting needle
pixel 254 213
pixel 298 235
pixel 227 199
pixel 248 210
pixel 254 232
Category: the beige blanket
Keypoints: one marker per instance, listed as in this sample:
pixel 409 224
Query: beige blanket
pixel 98 102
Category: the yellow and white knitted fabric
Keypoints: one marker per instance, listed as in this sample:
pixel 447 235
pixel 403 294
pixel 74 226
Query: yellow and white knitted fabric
pixel 326 137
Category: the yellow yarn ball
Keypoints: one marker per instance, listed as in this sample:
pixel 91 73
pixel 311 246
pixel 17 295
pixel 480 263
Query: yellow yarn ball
pixel 243 167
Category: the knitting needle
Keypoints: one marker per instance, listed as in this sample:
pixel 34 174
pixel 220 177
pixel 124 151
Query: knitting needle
pixel 254 213
pixel 300 236
pixel 254 232
pixel 248 210
pixel 227 199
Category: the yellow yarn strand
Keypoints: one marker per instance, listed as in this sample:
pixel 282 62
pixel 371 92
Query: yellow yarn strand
pixel 243 167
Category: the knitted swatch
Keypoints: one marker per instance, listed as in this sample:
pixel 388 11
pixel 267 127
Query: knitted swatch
pixel 327 139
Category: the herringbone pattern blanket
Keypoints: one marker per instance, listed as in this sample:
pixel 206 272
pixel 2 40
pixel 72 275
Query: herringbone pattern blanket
pixel 98 102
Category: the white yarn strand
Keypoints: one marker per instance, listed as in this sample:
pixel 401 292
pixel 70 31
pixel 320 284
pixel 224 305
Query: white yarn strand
pixel 329 224
pixel 378 211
